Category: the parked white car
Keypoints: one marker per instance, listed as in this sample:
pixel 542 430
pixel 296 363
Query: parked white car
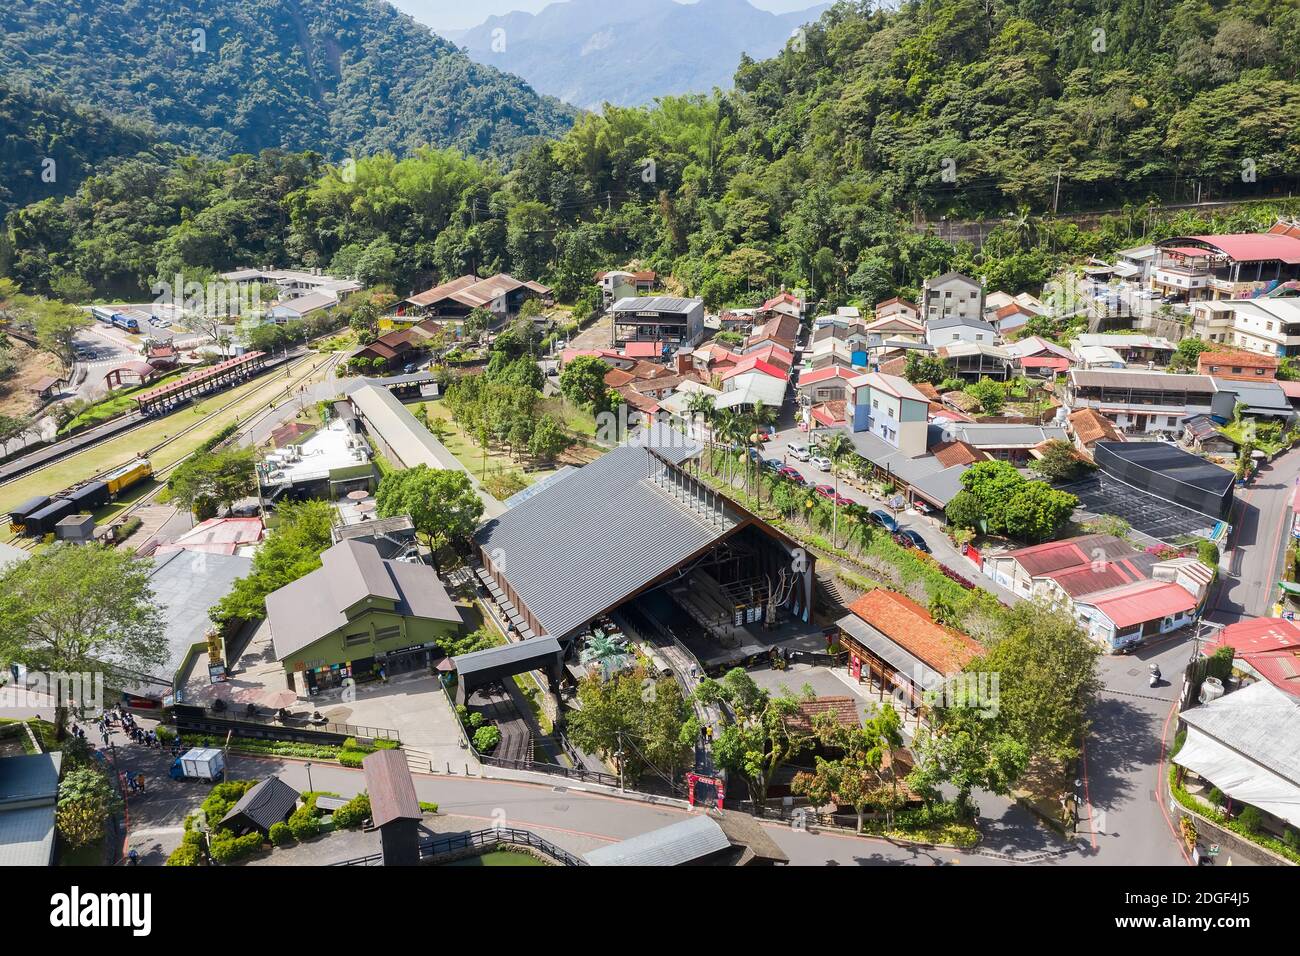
pixel 799 451
pixel 820 462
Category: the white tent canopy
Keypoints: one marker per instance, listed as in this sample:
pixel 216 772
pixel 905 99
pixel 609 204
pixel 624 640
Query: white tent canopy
pixel 1248 745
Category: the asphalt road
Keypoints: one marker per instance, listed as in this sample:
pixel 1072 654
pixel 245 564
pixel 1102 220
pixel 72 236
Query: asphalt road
pixel 1261 531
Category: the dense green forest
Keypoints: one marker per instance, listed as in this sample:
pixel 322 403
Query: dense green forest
pixel 48 144
pixel 229 76
pixel 813 172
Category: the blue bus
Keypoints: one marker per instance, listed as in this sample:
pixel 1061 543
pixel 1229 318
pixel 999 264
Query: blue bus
pixel 128 322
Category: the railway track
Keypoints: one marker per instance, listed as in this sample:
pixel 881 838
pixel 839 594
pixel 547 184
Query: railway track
pixel 160 475
pixel 142 421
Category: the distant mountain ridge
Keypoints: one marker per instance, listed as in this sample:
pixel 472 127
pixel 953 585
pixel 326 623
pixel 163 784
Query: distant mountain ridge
pixel 229 76
pixel 589 52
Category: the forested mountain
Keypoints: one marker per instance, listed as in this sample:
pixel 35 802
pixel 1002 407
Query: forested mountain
pixel 48 144
pixel 229 76
pixel 812 172
pixel 592 52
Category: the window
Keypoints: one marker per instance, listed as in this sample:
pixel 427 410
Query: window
pixel 1259 371
pixel 351 640
pixel 384 633
pixel 1236 370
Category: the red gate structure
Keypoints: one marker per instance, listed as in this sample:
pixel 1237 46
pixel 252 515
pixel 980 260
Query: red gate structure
pixel 719 787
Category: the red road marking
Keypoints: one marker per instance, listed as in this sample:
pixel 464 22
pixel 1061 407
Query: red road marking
pixel 1087 797
pixel 1160 776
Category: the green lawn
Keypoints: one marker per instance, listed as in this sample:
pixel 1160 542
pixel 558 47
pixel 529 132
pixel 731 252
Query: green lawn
pixel 499 858
pixel 497 461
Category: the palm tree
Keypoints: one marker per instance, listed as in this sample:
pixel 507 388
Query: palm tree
pixel 761 417
pixel 700 406
pixel 837 448
pixel 725 429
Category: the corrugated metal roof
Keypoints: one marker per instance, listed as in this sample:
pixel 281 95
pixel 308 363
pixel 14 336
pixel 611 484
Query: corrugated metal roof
pixel 583 545
pixel 391 789
pixel 657 303
pixel 674 845
pixel 1124 378
pixel 265 803
pixel 505 655
pixel 1260 722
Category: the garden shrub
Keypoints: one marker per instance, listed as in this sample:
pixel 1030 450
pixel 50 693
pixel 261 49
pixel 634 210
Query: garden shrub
pixel 351 758
pixel 303 824
pixel 475 721
pixel 486 738
pixel 433 808
pixel 280 834
pixel 354 812
pixel 1251 820
pixel 225 848
pixel 187 854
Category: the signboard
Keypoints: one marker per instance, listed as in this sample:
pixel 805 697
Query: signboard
pixel 217 674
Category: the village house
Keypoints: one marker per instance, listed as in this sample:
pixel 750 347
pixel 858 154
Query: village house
pixel 1237 365
pixel 952 295
pixel 896 645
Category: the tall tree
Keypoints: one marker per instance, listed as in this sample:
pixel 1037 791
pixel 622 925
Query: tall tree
pixel 443 504
pixel 74 609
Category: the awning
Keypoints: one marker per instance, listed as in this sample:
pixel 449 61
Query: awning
pixel 909 667
pixel 1239 777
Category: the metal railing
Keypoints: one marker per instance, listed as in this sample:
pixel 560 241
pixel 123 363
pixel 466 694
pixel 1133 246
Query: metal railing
pixel 581 774
pixel 435 848
pixel 191 717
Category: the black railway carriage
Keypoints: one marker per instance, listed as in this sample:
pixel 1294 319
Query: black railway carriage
pixel 43 521
pixel 90 496
pixel 18 516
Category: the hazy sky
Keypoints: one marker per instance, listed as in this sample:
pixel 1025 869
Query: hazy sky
pixel 461 14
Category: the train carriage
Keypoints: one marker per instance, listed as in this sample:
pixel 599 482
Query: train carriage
pixel 123 477
pixel 19 515
pixel 43 521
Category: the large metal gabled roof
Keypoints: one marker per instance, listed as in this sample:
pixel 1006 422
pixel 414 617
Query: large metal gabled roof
pixel 585 544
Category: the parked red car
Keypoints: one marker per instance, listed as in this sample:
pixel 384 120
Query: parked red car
pixel 786 471
pixel 828 492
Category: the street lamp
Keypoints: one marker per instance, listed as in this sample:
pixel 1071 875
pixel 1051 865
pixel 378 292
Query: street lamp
pixel 310 788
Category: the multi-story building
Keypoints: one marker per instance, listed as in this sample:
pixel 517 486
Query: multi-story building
pixel 893 409
pixel 1240 365
pixel 952 294
pixel 1140 402
pixel 1269 325
pixel 666 320
pixel 1196 268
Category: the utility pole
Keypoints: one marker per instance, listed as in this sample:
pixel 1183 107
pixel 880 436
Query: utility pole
pixel 618 755
pixel 1056 196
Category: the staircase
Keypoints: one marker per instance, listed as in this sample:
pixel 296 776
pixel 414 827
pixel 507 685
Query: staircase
pixel 418 761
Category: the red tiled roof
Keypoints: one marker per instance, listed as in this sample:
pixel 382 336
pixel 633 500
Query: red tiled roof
pixel 827 373
pixel 928 390
pixel 1142 601
pixel 1270 645
pixel 1091 425
pixel 894 366
pixel 900 301
pixel 830 414
pixel 951 453
pixel 911 627
pixel 843 709
pixel 617 378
